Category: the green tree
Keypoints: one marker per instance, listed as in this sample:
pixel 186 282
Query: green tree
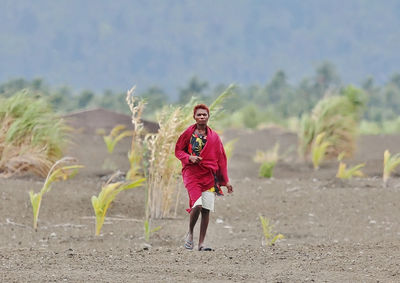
pixel 195 87
pixel 156 98
pixel 326 78
pixel 85 98
pixel 277 88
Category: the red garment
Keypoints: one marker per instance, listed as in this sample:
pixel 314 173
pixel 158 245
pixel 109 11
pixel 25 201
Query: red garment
pixel 199 177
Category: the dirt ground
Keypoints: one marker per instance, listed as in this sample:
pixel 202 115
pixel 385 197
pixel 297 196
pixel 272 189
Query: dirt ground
pixel 335 231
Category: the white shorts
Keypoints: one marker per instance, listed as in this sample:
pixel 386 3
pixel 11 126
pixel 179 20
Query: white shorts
pixel 206 200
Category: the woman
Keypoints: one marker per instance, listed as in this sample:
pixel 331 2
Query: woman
pixel 204 170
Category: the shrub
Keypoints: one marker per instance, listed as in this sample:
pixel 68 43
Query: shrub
pixel 32 137
pixel 337 117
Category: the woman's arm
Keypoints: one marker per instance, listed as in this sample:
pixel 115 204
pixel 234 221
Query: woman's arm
pixel 180 150
pixel 222 173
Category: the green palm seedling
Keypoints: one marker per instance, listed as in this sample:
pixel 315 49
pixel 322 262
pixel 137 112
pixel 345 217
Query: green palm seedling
pixel 269 236
pixel 56 173
pixel 266 169
pixel 148 231
pixel 389 165
pixel 115 136
pixel 319 149
pixel 109 191
pixel 268 160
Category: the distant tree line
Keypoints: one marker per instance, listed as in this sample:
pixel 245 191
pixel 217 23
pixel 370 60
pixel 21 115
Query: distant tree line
pixel 275 101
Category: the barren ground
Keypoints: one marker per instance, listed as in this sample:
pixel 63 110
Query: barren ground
pixel 335 231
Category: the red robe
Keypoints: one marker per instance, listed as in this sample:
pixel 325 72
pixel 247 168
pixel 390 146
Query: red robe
pixel 199 177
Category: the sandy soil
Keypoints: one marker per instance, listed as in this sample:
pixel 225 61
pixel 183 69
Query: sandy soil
pixel 335 231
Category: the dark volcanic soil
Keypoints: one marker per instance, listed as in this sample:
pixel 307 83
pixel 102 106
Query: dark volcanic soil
pixel 335 231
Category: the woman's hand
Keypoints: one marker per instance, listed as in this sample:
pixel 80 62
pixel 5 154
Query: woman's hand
pixel 195 159
pixel 230 188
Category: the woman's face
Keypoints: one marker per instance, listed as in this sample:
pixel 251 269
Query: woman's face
pixel 201 117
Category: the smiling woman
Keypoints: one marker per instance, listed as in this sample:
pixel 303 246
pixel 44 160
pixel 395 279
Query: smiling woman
pixel 204 163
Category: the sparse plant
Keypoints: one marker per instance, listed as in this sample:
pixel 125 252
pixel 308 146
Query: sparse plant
pixel 319 149
pixel 109 191
pixel 268 160
pixel 354 171
pixel 148 231
pixel 115 136
pixel 390 162
pixel 344 173
pixel 56 173
pixel 266 169
pixel 269 237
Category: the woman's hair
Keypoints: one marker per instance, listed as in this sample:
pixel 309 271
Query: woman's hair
pixel 201 106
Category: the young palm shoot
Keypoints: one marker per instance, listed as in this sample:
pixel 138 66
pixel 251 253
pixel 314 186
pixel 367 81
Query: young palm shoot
pixel 268 160
pixel 109 191
pixel 56 173
pixel 115 136
pixel 269 236
pixel 318 150
pixel 148 231
pixel 354 171
pixel 389 165
pixel 344 173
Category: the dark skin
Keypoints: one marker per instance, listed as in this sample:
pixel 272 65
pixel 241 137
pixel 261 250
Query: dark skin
pixel 201 116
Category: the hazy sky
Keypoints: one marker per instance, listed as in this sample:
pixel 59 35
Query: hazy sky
pixel 103 44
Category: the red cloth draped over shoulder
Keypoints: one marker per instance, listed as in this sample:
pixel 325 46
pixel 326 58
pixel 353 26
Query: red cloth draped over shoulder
pixel 199 177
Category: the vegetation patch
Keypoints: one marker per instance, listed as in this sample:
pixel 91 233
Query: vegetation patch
pixel 32 136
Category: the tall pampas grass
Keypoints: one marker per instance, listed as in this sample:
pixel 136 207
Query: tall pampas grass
pixel 163 166
pixel 137 150
pixel 32 137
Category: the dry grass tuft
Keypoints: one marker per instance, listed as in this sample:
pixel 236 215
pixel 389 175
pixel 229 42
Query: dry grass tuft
pixel 137 151
pixel 32 137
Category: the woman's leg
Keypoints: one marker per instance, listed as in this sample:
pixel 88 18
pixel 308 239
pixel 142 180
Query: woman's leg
pixel 205 217
pixel 194 215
